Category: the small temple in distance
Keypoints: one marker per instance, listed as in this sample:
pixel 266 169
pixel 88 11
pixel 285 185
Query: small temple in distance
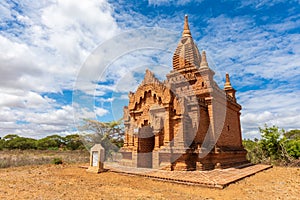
pixel 186 122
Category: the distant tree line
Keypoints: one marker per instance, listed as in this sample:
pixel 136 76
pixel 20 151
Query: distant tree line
pixel 108 134
pixel 276 146
pixel 53 142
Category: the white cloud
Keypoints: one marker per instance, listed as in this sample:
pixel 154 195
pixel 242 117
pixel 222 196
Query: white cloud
pixel 172 2
pixel 237 45
pixel 42 45
pixel 100 111
pixel 27 122
pixel 258 4
pixel 271 107
pixel 53 43
pixel 5 12
pixel 239 40
pixel 24 99
pixel 61 116
pixel 124 96
pixel 264 59
pixel 7 115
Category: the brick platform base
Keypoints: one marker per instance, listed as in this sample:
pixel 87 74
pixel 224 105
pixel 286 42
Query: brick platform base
pixel 217 178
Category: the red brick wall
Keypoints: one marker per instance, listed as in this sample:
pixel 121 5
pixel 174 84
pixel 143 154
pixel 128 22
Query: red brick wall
pixel 231 135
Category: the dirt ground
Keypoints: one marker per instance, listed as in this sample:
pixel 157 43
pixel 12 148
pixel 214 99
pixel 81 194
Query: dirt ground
pixel 72 182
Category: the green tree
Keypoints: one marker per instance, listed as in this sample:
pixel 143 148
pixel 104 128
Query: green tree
pixel 13 141
pixel 292 135
pixel 271 141
pixel 73 142
pixel 293 148
pixel 108 134
pixel 10 137
pixel 292 143
pixel 278 145
pixel 275 146
pixel 50 142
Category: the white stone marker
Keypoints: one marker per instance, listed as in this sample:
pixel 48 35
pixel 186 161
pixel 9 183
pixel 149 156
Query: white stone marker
pixel 97 157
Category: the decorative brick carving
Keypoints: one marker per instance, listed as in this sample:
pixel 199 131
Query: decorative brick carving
pixel 186 122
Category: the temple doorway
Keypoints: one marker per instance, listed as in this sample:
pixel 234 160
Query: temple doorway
pixel 145 146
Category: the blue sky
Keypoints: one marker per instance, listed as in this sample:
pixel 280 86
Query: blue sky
pixel 45 47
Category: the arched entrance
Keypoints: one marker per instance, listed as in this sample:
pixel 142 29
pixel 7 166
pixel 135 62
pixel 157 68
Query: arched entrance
pixel 146 143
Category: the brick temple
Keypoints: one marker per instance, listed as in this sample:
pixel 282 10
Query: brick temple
pixel 186 122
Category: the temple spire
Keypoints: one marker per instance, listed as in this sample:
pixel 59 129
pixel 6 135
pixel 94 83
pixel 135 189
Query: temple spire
pixel 186 54
pixel 203 63
pixel 186 28
pixel 228 88
pixel 227 83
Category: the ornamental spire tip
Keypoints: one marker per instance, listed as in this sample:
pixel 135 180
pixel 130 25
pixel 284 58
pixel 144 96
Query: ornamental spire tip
pixel 186 28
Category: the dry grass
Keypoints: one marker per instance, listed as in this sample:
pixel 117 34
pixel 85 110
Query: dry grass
pixel 14 158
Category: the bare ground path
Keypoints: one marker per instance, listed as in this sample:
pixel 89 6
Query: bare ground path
pixel 72 182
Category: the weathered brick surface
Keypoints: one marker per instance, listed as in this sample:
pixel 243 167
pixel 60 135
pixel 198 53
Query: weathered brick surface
pixel 217 178
pixel 176 119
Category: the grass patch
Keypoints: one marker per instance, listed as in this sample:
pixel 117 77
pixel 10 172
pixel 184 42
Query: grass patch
pixel 14 158
pixel 57 161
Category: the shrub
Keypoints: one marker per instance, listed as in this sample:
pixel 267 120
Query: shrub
pixel 57 161
pixel 275 146
pixel 293 148
pixel 255 153
pixel 1 144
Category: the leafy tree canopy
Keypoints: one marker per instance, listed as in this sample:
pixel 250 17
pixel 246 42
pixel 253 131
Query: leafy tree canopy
pixel 275 145
pixel 108 134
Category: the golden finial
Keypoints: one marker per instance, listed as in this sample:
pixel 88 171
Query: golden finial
pixel 186 29
pixel 227 83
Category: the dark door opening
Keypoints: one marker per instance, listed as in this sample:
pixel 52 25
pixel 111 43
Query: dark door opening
pixel 145 147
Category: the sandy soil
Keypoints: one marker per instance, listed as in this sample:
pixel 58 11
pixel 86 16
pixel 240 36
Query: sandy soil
pixel 72 182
